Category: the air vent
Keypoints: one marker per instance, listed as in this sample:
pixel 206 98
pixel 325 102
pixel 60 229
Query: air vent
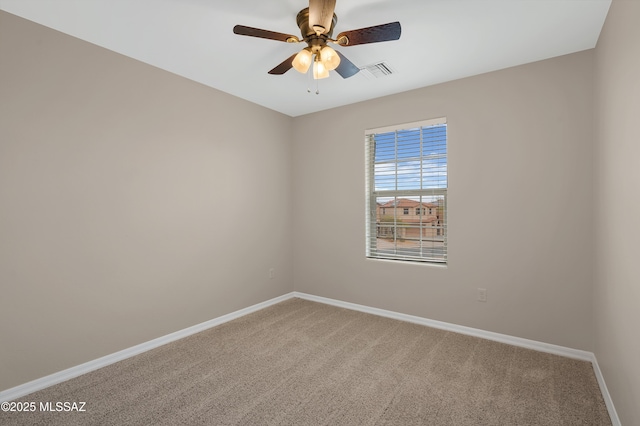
pixel 378 70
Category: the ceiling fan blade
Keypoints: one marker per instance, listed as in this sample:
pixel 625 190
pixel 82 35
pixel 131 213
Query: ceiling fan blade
pixel 321 15
pixel 271 35
pixel 375 34
pixel 284 66
pixel 346 68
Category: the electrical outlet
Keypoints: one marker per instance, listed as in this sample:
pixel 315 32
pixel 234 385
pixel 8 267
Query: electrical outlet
pixel 272 273
pixel 482 295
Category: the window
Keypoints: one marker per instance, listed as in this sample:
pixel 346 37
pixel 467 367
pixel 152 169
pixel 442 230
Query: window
pixel 406 168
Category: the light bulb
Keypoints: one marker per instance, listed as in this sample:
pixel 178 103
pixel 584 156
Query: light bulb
pixel 302 61
pixel 319 70
pixel 330 58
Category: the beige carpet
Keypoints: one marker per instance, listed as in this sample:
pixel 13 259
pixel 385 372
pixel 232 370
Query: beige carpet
pixel 305 363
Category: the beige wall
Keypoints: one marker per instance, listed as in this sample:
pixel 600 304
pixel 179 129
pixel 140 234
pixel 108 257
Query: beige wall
pixel 132 204
pixel 617 190
pixel 520 159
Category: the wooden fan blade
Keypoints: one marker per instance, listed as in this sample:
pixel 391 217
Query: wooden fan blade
pixel 284 66
pixel 257 32
pixel 346 68
pixel 375 34
pixel 321 14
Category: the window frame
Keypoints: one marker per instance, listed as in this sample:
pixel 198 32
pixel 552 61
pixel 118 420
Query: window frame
pixel 372 195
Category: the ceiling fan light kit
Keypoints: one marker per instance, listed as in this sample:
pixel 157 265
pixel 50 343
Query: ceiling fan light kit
pixel 316 25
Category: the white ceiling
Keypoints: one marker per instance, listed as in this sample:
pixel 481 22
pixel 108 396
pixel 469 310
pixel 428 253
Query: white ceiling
pixel 441 40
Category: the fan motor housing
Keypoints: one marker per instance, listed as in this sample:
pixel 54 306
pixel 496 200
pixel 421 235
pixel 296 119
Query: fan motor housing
pixel 309 33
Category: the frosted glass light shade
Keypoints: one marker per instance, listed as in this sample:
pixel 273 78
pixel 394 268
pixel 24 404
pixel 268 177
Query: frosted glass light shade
pixel 302 61
pixel 319 70
pixel 330 58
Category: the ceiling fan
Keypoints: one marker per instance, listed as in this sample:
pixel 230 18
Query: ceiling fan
pixel 316 24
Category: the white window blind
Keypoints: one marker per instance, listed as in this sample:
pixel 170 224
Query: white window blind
pixel 406 192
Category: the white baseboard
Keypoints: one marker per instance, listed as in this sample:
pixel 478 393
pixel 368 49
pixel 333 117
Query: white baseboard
pixel 64 375
pixel 61 376
pixel 502 338
pixel 615 420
